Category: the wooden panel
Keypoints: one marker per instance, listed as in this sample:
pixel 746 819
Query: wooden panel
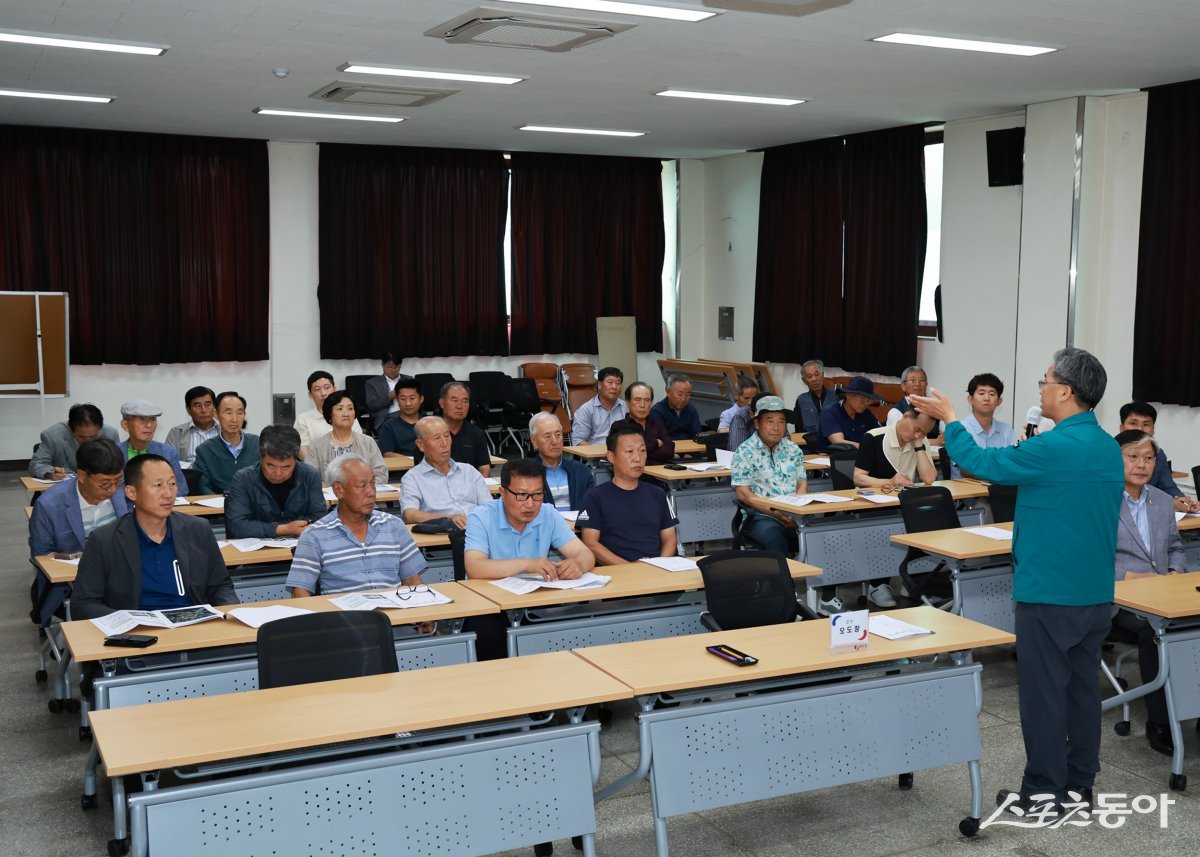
pixel 19 342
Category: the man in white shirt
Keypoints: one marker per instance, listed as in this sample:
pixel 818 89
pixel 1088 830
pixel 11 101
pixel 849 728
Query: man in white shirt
pixel 311 424
pixel 592 420
pixel 440 487
pixel 914 382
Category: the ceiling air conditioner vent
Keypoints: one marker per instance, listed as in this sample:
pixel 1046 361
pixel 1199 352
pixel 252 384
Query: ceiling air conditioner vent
pixel 380 94
pixel 542 33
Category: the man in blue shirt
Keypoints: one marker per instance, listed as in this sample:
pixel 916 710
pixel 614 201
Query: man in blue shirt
pixel 1141 416
pixel 1064 545
pixel 154 558
pixel 985 394
pixel 567 481
pixel 626 519
pixel 848 420
pixel 813 400
pixel 676 411
pixel 354 547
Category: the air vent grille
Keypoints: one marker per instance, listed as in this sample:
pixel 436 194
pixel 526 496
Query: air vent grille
pixel 499 30
pixel 380 94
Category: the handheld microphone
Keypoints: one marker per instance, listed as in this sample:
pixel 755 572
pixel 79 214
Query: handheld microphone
pixel 1032 419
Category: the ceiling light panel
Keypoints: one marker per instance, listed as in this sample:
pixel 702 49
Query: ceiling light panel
pixel 312 114
pixel 643 10
pixel 48 40
pixel 55 96
pixel 925 41
pixel 724 96
pixel 426 74
pixel 597 132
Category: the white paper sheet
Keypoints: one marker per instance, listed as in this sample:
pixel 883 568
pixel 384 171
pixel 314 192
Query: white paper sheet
pixel 879 498
pixel 706 466
pixel 249 545
pixel 72 561
pixel 671 563
pixel 390 600
pixel 991 533
pixel 725 457
pixel 491 481
pixel 819 461
pixel 525 585
pixel 829 498
pixel 792 499
pixel 256 617
pixel 211 502
pixel 182 501
pixel 894 629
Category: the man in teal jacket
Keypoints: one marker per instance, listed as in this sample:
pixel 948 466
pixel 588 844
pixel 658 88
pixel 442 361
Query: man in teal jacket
pixel 1064 543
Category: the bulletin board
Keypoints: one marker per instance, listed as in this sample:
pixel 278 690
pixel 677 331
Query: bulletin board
pixel 34 347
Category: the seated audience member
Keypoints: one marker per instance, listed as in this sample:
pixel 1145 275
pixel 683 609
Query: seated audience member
pixel 567 481
pixel 230 451
pixel 676 411
pixel 311 424
pixel 343 440
pixel 201 405
pixel 815 399
pixel 639 396
pixel 278 498
pixel 440 487
pixel 154 558
pixel 139 419
pixel 515 533
pixel 914 382
pixel 746 390
pixel 355 546
pixel 626 519
pixel 848 420
pixel 470 443
pixel 741 426
pixel 593 419
pixel 398 435
pixel 985 394
pixel 55 455
pixel 891 458
pixel 382 392
pixel 1141 416
pixel 1148 544
pixel 766 465
pixel 67 513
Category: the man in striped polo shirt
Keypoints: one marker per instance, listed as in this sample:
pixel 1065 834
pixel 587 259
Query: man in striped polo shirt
pixel 354 547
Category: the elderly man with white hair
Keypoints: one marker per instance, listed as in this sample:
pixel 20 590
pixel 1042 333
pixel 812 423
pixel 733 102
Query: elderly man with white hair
pixel 355 546
pixel 440 487
pixel 567 481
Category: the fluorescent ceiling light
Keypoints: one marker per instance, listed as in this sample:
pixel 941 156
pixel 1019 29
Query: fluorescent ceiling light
pixel 964 44
pixel 308 114
pixel 721 96
pixel 81 44
pixel 360 68
pixel 645 10
pixel 55 96
pixel 552 129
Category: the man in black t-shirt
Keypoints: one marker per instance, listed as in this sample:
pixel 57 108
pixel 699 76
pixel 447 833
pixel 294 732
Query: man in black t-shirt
pixel 470 443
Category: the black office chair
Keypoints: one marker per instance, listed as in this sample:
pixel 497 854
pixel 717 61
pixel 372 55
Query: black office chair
pixel 841 468
pixel 712 423
pixel 943 464
pixel 489 396
pixel 1004 502
pixel 193 477
pixel 520 406
pixel 356 386
pixel 713 441
pixel 324 647
pixel 1196 478
pixel 746 589
pixel 431 390
pixel 924 509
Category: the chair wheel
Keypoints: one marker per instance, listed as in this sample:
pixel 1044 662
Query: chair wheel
pixel 968 827
pixel 906 781
pixel 71 705
pixel 85 733
pixel 1121 728
pixel 543 849
pixel 87 802
pixel 577 842
pixel 55 706
pixel 1177 782
pixel 40 676
pixel 118 847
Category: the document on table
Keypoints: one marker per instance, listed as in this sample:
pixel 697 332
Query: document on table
pixel 829 498
pixel 69 561
pixel 571 515
pixel 256 617
pixel 991 533
pixel 401 599
pixel 894 629
pixel 41 481
pixel 819 461
pixel 177 617
pixel 211 502
pixel 805 499
pixel 182 501
pixel 725 458
pixel 249 545
pixel 524 585
pixel 671 563
pixel 706 466
pixel 491 481
pixel 1179 516
pixel 879 498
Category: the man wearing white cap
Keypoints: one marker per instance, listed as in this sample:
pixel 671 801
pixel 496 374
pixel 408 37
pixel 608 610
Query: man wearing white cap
pixel 139 419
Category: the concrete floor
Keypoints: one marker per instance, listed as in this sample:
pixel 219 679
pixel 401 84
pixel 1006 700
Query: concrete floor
pixel 43 762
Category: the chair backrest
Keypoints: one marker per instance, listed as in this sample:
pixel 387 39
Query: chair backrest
pixel 458 553
pixel 549 371
pixel 746 589
pixel 324 647
pixel 1196 479
pixel 523 395
pixel 431 388
pixel 580 375
pixel 578 396
pixel 1004 502
pixel 551 400
pixel 943 464
pixel 888 392
pixel 713 441
pixel 488 389
pixel 356 386
pixel 928 508
pixel 841 468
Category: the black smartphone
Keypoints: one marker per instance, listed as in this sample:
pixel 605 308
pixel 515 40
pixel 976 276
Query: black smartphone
pixel 732 655
pixel 674 466
pixel 131 641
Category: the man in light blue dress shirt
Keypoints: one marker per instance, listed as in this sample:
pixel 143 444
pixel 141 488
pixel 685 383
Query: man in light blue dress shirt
pixel 985 393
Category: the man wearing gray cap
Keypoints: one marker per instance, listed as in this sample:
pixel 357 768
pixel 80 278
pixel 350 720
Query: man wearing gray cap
pixel 139 419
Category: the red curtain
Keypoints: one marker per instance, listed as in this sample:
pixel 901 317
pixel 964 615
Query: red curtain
pixel 841 251
pixel 160 241
pixel 798 288
pixel 1166 363
pixel 587 236
pixel 411 251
